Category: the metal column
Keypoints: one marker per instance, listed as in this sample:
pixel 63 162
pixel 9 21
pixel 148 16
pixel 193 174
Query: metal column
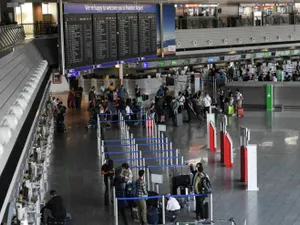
pixel 62 43
pixel 161 15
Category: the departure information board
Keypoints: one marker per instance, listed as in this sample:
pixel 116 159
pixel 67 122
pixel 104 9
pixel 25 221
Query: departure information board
pixel 128 36
pixel 105 38
pixel 78 40
pixel 147 34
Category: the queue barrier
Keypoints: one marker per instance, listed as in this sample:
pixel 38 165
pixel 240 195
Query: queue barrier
pixel 136 151
pixel 122 145
pixel 148 158
pixel 158 166
pixel 117 121
pixel 137 139
pixel 117 113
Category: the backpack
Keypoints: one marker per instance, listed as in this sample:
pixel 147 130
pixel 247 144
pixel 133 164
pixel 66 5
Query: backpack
pixel 175 105
pixel 131 189
pixel 205 185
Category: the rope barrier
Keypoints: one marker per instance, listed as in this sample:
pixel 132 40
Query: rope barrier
pixel 145 151
pixel 148 158
pixel 129 139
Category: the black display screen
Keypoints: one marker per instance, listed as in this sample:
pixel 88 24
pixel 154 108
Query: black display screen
pixel 128 38
pixel 147 34
pixel 105 38
pixel 78 40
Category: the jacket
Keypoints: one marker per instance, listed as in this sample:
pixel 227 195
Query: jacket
pixel 197 185
pixel 141 188
pixel 127 175
pixel 173 204
pixel 57 207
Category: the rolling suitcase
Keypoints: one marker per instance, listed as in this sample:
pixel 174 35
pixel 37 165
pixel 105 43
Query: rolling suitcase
pixel 185 117
pixel 240 111
pixel 152 215
pixel 205 210
pixel 178 120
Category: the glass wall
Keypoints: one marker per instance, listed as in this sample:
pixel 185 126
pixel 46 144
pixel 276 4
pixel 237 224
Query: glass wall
pixel 37 18
pixel 197 16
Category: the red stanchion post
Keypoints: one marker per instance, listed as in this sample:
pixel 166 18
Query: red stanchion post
pixel 228 160
pixel 212 137
pixel 244 164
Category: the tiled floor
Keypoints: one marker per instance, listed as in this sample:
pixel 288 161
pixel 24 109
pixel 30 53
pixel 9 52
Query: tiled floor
pixel 76 169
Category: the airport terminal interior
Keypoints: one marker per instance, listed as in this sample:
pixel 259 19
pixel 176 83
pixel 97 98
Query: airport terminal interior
pixel 149 112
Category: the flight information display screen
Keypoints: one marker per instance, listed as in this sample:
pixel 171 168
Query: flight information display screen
pixel 102 38
pixel 78 40
pixel 147 34
pixel 105 38
pixel 128 35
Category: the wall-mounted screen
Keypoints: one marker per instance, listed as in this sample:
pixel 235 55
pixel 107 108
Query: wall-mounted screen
pixel 105 38
pixel 78 40
pixel 128 35
pixel 147 34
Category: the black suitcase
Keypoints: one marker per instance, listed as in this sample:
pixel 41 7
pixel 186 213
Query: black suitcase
pixel 153 202
pixel 180 181
pixel 205 210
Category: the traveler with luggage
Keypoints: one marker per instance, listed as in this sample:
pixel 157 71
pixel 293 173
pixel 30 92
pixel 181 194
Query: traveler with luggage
pixel 141 191
pixel 174 107
pixel 202 186
pixel 120 193
pixel 207 103
pixel 126 173
pixel 173 206
pixel 108 172
pixel 194 171
pixel 238 102
pixel 181 100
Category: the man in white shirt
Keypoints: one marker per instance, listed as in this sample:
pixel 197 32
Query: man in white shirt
pixel 207 103
pixel 172 206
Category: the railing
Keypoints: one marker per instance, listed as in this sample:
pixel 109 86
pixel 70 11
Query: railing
pixel 40 28
pixel 10 35
pixel 195 22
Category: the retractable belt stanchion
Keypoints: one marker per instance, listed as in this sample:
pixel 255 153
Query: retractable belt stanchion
pixel 248 160
pixel 211 208
pixel 223 125
pixel 148 178
pixel 211 131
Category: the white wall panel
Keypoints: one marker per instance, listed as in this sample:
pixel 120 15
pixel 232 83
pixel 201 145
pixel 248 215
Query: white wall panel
pixel 188 38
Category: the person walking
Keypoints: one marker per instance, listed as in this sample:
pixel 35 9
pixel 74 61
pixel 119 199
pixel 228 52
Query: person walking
pixel 141 191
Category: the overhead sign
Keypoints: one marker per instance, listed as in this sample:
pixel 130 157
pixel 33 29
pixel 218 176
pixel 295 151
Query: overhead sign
pixel 107 8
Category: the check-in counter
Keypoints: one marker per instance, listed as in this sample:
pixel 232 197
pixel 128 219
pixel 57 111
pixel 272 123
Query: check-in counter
pixel 285 94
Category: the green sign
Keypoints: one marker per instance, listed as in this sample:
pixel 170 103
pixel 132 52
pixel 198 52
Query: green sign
pixel 174 63
pixel 269 97
pixel 267 54
pixel 161 63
